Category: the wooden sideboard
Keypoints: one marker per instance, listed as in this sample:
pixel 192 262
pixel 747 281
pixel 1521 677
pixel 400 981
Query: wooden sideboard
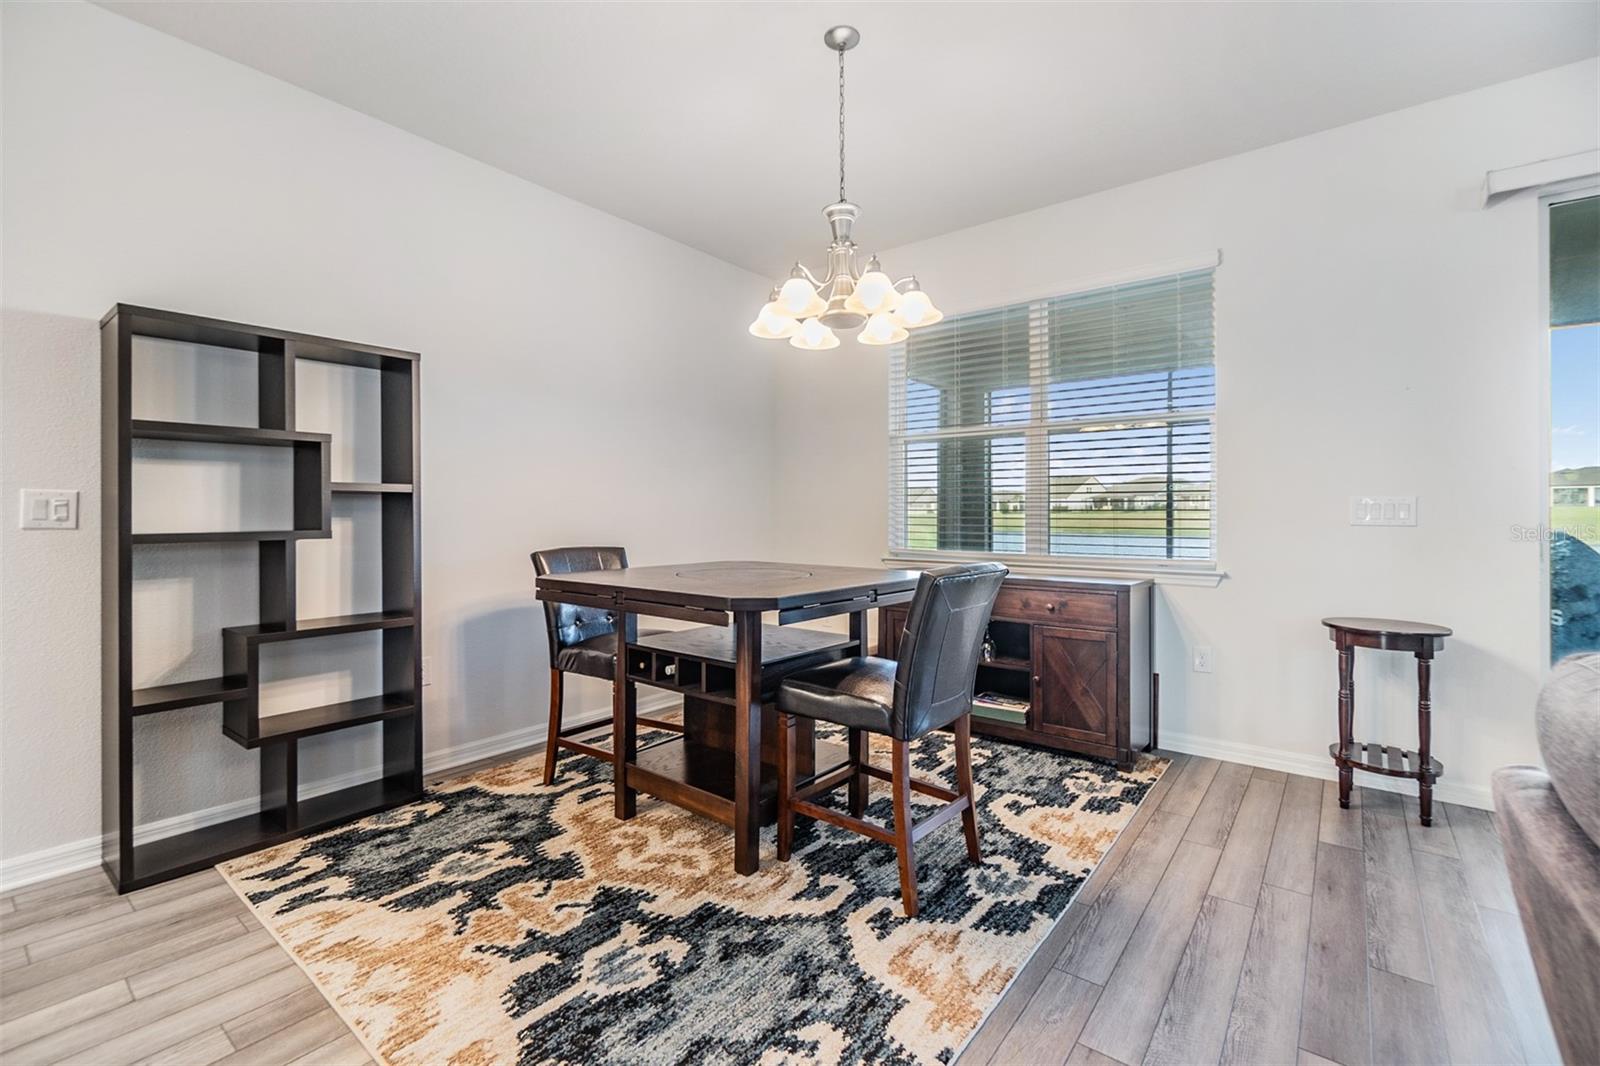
pixel 1077 650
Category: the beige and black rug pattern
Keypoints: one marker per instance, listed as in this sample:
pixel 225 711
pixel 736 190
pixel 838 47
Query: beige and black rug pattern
pixel 502 921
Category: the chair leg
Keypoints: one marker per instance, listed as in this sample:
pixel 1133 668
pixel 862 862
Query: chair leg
pixel 900 784
pixel 552 739
pixel 860 745
pixel 788 754
pixel 969 817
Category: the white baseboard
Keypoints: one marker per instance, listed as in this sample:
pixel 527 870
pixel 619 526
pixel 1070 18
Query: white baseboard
pixel 1319 766
pixel 84 854
pixel 46 863
pixel 76 855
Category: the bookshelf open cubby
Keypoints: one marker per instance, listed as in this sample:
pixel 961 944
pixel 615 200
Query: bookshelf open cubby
pixel 284 812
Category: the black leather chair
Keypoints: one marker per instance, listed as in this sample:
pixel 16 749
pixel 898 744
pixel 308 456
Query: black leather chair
pixel 929 688
pixel 583 640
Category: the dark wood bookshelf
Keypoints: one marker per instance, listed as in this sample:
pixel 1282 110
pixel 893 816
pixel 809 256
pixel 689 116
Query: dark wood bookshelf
pixel 284 813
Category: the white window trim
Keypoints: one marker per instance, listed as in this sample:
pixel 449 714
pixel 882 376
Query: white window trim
pixel 1207 573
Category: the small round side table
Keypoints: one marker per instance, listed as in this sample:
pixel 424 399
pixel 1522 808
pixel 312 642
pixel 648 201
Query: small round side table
pixel 1421 639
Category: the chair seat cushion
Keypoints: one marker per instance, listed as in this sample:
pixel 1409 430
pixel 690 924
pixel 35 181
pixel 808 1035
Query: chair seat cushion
pixel 595 657
pixel 858 693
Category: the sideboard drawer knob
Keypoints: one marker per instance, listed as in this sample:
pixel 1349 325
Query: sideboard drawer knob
pixel 1050 607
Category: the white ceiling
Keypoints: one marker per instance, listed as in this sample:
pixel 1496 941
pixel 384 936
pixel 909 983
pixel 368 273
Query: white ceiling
pixel 715 123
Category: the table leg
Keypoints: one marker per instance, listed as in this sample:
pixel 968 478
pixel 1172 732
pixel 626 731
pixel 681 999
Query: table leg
pixel 859 742
pixel 747 742
pixel 1425 737
pixel 858 632
pixel 1347 703
pixel 624 721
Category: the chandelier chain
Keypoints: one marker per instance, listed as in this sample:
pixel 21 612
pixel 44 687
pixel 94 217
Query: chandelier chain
pixel 841 126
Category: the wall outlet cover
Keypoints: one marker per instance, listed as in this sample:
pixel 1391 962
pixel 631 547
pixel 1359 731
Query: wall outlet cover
pixel 1202 659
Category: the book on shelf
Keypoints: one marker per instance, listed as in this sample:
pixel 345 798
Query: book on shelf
pixel 1000 707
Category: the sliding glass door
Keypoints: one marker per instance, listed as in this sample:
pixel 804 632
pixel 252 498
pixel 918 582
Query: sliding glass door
pixel 1574 526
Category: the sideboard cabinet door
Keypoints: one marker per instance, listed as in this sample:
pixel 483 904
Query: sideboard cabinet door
pixel 1075 683
pixel 891 629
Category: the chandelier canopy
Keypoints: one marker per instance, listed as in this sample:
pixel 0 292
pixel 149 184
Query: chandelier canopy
pixel 806 310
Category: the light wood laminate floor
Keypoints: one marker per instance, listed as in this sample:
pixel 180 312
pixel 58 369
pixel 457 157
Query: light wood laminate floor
pixel 1242 917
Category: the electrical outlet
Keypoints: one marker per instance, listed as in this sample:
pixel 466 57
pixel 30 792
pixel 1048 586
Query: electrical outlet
pixel 1383 510
pixel 49 509
pixel 1202 659
pixel 427 670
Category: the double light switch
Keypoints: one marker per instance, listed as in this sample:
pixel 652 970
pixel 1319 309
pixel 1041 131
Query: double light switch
pixel 49 509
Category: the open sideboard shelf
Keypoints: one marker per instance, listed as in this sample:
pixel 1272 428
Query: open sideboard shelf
pixel 284 811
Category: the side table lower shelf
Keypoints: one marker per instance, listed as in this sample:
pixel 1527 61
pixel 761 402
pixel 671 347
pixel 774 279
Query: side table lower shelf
pixel 1385 759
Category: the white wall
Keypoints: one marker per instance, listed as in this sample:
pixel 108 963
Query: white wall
pixel 1377 332
pixel 566 356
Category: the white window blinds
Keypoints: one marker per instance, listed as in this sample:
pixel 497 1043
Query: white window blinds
pixel 1079 425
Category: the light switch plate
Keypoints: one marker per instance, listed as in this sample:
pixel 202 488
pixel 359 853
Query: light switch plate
pixel 49 509
pixel 1383 510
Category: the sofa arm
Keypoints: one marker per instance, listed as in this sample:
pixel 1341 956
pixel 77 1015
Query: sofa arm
pixel 1555 873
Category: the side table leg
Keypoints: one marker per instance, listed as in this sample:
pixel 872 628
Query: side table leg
pixel 1425 737
pixel 1347 701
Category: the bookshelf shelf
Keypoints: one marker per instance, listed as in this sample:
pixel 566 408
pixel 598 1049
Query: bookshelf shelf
pixel 159 698
pixel 354 487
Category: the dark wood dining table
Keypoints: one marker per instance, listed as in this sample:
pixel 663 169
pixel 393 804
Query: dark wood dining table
pixel 725 671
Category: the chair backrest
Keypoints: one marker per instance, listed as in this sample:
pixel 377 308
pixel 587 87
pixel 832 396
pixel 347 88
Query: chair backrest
pixel 942 643
pixel 567 624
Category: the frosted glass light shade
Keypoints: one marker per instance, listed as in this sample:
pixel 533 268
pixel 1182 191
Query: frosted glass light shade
pixel 813 336
pixel 882 328
pixel 916 309
pixel 873 293
pixel 772 324
pixel 798 299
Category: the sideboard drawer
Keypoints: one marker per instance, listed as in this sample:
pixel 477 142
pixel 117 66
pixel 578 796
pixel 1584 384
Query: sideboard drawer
pixel 1057 606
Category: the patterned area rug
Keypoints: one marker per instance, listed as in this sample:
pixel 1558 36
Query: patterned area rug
pixel 500 921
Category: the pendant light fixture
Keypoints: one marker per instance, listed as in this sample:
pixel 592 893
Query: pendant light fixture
pixel 807 311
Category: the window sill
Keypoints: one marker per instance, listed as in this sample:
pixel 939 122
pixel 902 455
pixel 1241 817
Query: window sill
pixel 1200 575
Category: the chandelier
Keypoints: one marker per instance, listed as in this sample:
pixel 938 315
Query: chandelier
pixel 806 310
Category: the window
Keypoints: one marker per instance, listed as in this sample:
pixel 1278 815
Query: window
pixel 1078 426
pixel 1574 528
